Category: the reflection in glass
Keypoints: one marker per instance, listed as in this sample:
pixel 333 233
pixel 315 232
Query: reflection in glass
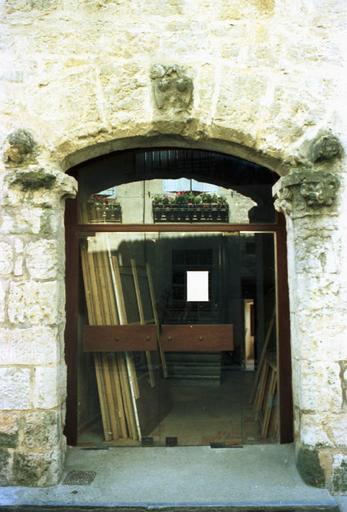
pixel 191 186
pixel 196 382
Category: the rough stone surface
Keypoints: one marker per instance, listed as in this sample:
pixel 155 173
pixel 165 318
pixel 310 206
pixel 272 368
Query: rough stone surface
pixel 40 468
pixel 309 466
pixel 41 430
pixel 339 478
pixel 15 388
pixel 9 430
pixel 6 258
pixel 42 259
pixel 3 297
pixel 5 467
pixel 29 346
pixel 50 386
pixel 35 303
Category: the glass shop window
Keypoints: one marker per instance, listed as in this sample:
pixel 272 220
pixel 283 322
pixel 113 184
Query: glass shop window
pixel 175 321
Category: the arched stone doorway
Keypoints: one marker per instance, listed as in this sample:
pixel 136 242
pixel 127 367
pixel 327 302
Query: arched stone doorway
pixel 33 189
pixel 246 180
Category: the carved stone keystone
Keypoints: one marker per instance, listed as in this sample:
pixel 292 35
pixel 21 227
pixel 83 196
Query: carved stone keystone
pixel 306 189
pixel 172 88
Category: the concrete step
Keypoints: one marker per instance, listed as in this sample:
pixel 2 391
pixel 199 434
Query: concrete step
pixel 189 508
pixel 175 479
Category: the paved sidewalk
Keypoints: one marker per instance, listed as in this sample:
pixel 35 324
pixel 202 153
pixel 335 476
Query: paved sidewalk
pixel 253 476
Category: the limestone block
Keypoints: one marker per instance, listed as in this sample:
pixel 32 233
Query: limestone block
pixel 312 432
pixel 36 302
pixel 126 91
pixel 23 221
pixel 42 259
pixel 6 258
pixel 26 6
pixel 39 468
pixel 320 386
pixel 41 430
pixel 339 473
pixel 6 458
pixel 319 334
pixel 238 104
pixel 50 386
pixel 317 292
pixel 18 262
pixel 290 110
pixel 15 388
pixel 29 346
pixel 321 226
pixel 8 429
pixel 122 44
pixel 336 428
pixel 318 252
pixel 3 294
pixel 69 95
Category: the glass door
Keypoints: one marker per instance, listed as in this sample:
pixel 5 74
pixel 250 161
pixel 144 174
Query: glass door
pixel 173 328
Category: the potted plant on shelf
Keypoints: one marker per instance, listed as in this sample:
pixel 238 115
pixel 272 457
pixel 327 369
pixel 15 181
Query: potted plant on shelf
pixel 190 207
pixel 103 209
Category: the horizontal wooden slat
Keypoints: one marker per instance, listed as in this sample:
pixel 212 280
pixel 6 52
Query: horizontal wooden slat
pixel 119 338
pixel 197 338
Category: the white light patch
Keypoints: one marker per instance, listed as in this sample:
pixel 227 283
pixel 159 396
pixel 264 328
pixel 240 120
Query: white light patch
pixel 197 286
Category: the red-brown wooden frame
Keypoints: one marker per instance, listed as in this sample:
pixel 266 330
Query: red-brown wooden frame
pixel 73 232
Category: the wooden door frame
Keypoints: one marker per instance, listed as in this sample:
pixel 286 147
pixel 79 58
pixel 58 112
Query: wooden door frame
pixel 73 232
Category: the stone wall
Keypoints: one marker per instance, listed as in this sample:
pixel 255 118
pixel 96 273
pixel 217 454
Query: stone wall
pixel 32 366
pixel 262 79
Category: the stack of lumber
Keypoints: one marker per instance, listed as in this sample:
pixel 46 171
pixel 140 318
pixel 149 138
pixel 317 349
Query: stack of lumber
pixel 116 377
pixel 264 393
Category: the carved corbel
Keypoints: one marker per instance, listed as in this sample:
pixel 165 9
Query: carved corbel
pixel 306 190
pixel 39 185
pixel 172 88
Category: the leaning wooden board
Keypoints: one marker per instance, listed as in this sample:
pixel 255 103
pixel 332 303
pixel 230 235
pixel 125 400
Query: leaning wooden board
pixel 113 295
pixel 111 370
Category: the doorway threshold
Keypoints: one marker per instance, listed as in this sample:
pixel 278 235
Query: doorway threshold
pixel 254 478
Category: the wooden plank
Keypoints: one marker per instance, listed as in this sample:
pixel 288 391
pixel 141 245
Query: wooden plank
pixel 119 338
pixel 262 358
pixel 129 363
pixel 101 392
pixel 109 395
pixel 110 295
pixel 119 397
pixel 197 338
pixel 156 320
pixel 127 397
pixel 142 320
pixel 103 285
pixel 95 317
pixel 87 286
pixel 269 408
pixel 261 389
pixel 99 313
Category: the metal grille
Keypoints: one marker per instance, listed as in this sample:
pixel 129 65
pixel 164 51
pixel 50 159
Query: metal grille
pixel 79 478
